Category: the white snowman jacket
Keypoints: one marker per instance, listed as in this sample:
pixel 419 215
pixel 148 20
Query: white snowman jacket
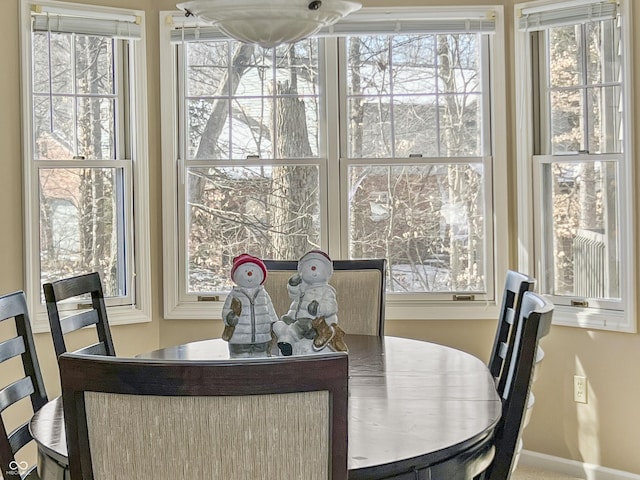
pixel 254 323
pixel 305 293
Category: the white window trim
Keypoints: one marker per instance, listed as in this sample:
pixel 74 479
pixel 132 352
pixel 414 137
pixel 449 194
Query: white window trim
pixel 592 318
pixel 174 307
pixel 500 167
pixel 406 308
pixel 141 277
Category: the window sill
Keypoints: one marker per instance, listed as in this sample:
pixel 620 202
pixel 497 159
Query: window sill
pixel 395 310
pixel 594 318
pixel 398 309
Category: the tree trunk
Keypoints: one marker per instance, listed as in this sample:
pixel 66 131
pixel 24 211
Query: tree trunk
pixel 356 116
pixel 220 113
pixel 452 118
pixel 294 187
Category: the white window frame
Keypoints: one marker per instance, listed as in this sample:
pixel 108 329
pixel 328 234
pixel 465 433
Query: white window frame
pixel 397 300
pixel 136 308
pixel 406 307
pixel 530 239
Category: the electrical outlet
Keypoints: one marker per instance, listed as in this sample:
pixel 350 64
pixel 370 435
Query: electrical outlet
pixel 579 389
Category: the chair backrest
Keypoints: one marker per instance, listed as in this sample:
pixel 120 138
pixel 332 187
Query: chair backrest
pixel 360 292
pixel 89 313
pixel 534 323
pixel 279 417
pixel 27 384
pixel 516 284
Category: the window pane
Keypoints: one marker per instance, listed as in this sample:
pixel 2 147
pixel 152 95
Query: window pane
pixel 565 56
pixel 296 132
pixel 368 69
pixel 80 225
pixel 603 62
pixel 253 75
pixel 427 220
pixel 74 110
pixel 584 71
pixel 414 64
pixel 369 127
pixel 262 102
pixel 251 134
pixel 94 65
pixel 583 235
pixel 271 211
pixel 207 68
pixel 296 68
pixel 567 121
pixel 62 71
pixel 605 116
pixel 208 128
pixel 417 94
pixel 53 124
pixel 96 128
pixel 417 125
pixel 52 65
pixel 460 125
pixel 458 63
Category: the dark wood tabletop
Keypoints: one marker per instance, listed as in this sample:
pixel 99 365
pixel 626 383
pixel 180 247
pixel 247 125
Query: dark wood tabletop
pixel 412 405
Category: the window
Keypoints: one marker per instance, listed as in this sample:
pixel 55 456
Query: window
pixel 84 143
pixel 371 141
pixel 579 162
pixel 417 121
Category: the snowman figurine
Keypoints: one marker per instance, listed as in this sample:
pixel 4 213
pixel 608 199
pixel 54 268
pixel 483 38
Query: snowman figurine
pixel 248 313
pixel 311 324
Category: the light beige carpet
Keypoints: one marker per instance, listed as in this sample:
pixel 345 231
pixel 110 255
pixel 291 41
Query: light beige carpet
pixel 524 472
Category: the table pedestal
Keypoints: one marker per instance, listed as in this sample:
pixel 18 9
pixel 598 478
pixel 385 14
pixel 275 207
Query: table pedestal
pixel 49 469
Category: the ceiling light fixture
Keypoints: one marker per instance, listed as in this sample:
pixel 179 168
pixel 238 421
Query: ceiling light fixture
pixel 271 22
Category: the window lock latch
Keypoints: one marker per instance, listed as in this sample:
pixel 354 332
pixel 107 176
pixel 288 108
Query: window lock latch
pixel 464 297
pixel 208 298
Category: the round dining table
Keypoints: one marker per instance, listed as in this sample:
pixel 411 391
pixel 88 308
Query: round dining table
pixel 417 410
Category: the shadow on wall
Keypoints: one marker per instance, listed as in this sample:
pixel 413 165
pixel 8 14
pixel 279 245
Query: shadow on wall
pixel 604 431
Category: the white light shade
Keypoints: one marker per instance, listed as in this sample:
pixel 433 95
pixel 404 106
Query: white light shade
pixel 270 22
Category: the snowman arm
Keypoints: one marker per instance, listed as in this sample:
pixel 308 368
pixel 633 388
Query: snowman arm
pixel 226 308
pixel 228 316
pixel 312 308
pixel 293 290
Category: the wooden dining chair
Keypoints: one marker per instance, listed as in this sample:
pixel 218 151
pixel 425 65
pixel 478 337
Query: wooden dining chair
pixel 534 323
pixel 279 417
pixel 24 382
pixel 516 284
pixel 360 292
pixel 88 312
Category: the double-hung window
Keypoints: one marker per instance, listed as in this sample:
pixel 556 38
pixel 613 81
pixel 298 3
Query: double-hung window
pixel 576 158
pixel 84 152
pixel 375 139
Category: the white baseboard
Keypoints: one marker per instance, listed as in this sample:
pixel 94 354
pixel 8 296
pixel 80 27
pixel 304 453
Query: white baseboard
pixel 588 471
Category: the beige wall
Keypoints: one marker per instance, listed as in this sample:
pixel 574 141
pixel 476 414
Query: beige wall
pixel 606 431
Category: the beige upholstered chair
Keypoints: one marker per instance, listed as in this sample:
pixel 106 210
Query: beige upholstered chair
pixel 360 292
pixel 276 418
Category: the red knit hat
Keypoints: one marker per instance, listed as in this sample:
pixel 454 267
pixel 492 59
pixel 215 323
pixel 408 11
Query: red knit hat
pixel 246 258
